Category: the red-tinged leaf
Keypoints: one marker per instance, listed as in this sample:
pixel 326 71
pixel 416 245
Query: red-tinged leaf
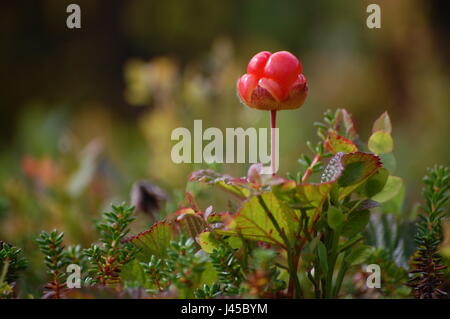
pixel 350 170
pixel 285 191
pixel 254 173
pixel 192 202
pixel 336 143
pixel 348 124
pixel 358 167
pixel 207 242
pixel 383 123
pixel 153 241
pixel 344 172
pixel 190 222
pixel 344 124
pixel 311 198
pixel 313 195
pixel 237 186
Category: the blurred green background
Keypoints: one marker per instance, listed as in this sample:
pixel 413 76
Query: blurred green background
pixel 87 112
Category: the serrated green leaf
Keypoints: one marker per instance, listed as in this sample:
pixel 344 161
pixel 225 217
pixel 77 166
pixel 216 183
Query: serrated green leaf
pixel 336 143
pixel 252 221
pixel 358 167
pixel 154 241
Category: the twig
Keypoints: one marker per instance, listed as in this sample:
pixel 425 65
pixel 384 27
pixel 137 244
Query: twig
pixel 310 168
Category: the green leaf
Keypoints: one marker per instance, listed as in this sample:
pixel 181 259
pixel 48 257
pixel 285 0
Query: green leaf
pixel 389 161
pixel 358 167
pixel 312 195
pixel 285 191
pixel 350 171
pixel 358 255
pixel 390 190
pixel 207 242
pixel 352 174
pixel 383 123
pixel 209 275
pixel 154 241
pixel 381 142
pixel 356 222
pixel 375 183
pixel 322 254
pixel 335 218
pixel 252 221
pixel 234 242
pixel 395 204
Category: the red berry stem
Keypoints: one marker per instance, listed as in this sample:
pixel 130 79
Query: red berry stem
pixel 273 122
pixel 309 170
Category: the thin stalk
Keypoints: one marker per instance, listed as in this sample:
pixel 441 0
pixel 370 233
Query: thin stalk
pixel 340 278
pixel 331 263
pixel 309 170
pixel 273 126
pixel 315 283
pixel 246 253
pixel 4 272
pixel 293 265
pixel 350 244
pixel 305 220
pixel 358 202
pixel 281 266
